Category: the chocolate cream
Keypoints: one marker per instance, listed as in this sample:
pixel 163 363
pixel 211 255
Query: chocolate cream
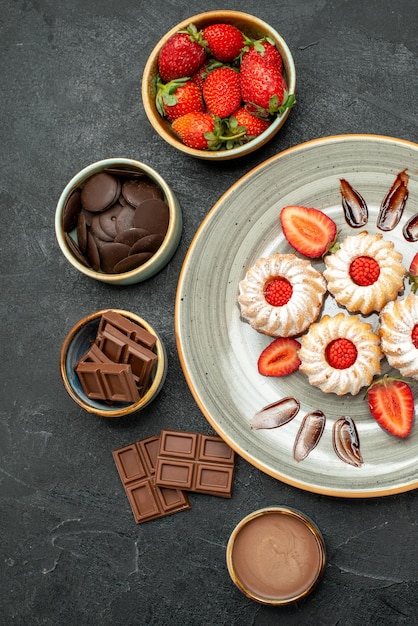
pixel 277 556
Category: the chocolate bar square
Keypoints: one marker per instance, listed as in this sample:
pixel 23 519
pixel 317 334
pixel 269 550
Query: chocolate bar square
pixel 136 467
pixel 195 462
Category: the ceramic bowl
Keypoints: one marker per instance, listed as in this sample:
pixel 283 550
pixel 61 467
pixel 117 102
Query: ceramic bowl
pixel 160 257
pixel 276 555
pixel 78 341
pixel 252 27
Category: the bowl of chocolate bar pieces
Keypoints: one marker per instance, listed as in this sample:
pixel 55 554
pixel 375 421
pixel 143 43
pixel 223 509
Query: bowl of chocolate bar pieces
pixel 113 363
pixel 118 221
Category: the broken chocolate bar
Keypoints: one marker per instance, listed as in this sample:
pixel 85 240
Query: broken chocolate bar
pixel 107 381
pixel 120 349
pixel 130 329
pixel 195 462
pixel 118 365
pixel 136 466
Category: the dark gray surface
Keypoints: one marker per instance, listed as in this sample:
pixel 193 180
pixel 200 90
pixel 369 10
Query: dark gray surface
pixel 70 552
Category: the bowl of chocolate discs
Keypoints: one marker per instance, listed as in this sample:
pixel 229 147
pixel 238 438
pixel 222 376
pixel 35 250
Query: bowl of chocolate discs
pixel 118 221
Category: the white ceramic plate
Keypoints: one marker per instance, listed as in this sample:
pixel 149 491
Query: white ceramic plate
pixel 219 351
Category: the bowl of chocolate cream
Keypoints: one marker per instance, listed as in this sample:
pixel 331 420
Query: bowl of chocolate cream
pixel 276 555
pixel 118 221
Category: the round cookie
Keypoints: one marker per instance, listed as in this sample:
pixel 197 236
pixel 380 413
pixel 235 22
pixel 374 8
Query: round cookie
pixel 340 354
pixel 399 334
pixel 281 295
pixel 365 273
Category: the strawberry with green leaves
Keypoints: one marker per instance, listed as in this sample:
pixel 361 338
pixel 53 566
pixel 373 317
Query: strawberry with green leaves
pixel 263 86
pixel 197 130
pixel 308 230
pixel 204 131
pixel 178 97
pixel 222 91
pixel 391 403
pixel 224 41
pixel 254 125
pixel 267 51
pixel 280 357
pixel 181 55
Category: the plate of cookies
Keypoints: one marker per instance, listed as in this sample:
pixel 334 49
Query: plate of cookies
pixel 297 319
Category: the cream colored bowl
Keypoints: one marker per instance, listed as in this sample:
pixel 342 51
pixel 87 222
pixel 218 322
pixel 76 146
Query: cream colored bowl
pixel 164 253
pixel 252 27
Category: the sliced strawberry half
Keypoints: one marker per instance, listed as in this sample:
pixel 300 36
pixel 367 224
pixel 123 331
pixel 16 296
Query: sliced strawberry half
pixel 391 403
pixel 280 357
pixel 413 273
pixel 308 230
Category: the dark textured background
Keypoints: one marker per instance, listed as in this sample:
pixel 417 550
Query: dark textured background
pixel 70 552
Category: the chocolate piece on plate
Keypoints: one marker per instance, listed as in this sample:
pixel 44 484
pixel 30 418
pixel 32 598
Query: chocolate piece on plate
pixel 195 462
pixel 153 215
pixel 112 382
pixel 100 191
pixel 136 467
pixel 71 211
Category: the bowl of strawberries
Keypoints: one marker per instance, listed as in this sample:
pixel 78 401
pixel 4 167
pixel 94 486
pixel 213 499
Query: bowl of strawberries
pixel 219 85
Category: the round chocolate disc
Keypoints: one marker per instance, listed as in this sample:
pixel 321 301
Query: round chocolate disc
pixel 152 215
pixel 112 253
pixel 93 253
pixel 149 243
pixel 125 219
pixel 131 262
pixel 71 211
pixel 76 250
pixel 131 236
pixel 107 219
pixel 82 232
pixel 100 192
pixel 136 191
pixel 97 230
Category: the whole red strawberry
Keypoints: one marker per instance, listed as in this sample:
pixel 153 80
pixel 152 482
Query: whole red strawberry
pixel 197 130
pixel 200 76
pixel 224 41
pixel 181 55
pixel 254 125
pixel 263 85
pixel 222 91
pixel 179 97
pixel 267 51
